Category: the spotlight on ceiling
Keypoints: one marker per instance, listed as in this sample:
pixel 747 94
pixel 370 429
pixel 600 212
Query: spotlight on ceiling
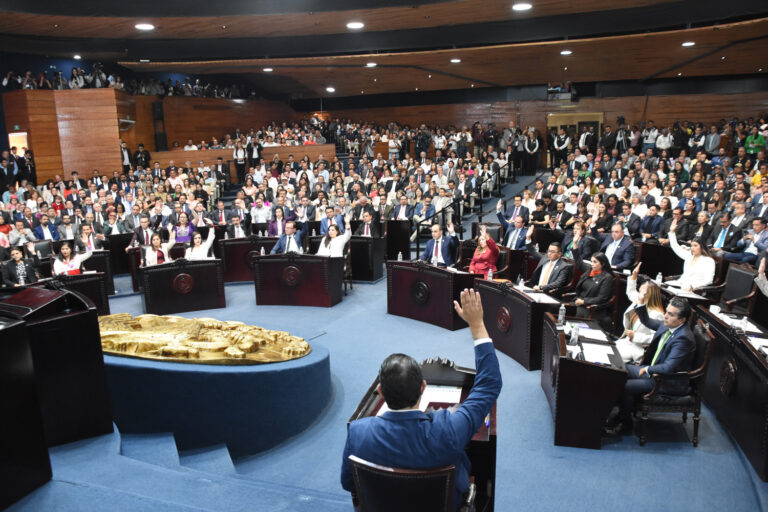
pixel 455 61
pixel 688 43
pixel 355 25
pixel 370 65
pixel 330 89
pixel 521 6
pixel 144 61
pixel 268 70
pixel 565 52
pixel 145 26
pixel 76 57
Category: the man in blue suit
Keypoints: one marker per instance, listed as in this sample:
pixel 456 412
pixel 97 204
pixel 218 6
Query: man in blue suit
pixel 330 219
pixel 651 225
pixel 515 231
pixel 672 349
pixel 618 248
pixel 402 211
pixel 291 240
pixel 46 228
pixel 406 437
pixel 439 250
pixel 516 209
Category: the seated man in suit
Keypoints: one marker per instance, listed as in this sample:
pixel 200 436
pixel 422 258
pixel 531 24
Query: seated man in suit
pixel 725 237
pixel 405 437
pixel 552 274
pixel 618 248
pixel 292 240
pixel 368 227
pixel 420 212
pixel 142 235
pixel 514 229
pixel 672 349
pixel 88 240
pixel 402 211
pixel 630 221
pixel 677 225
pixel 439 250
pixel 751 244
pixel 331 219
pixel 45 230
pixel 237 229
pixel 651 225
pixel 516 209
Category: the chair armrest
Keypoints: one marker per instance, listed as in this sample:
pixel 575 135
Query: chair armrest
pixel 739 299
pixel 468 505
pixel 659 379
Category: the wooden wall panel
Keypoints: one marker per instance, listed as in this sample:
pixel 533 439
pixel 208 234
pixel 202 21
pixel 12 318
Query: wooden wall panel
pixel 88 130
pixel 204 118
pixel 138 109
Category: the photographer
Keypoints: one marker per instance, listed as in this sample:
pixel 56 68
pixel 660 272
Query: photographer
pixel 12 81
pixel 98 79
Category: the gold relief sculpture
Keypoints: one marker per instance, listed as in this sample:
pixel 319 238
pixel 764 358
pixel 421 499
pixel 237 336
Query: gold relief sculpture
pixel 197 340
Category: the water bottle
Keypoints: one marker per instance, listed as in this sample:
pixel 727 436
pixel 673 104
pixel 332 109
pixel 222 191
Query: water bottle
pixel 536 247
pixel 314 232
pixel 574 335
pixel 400 256
pixel 561 315
pixel 262 251
pixel 520 280
pixel 744 323
pixel 659 278
pixel 490 274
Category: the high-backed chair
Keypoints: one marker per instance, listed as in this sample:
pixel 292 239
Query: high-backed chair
pixel 347 279
pixel 494 229
pixel 737 292
pixel 43 248
pixel 657 401
pixel 386 489
pixel 467 251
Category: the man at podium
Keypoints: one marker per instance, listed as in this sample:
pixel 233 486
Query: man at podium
pixel 406 437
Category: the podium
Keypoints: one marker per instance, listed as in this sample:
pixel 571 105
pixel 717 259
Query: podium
pixel 481 449
pixel 69 366
pixel 398 235
pixel 24 464
pixel 424 292
pixel 92 286
pixel 581 394
pixel 238 254
pixel 736 388
pixel 366 256
pixel 514 320
pixel 182 285
pixel 298 280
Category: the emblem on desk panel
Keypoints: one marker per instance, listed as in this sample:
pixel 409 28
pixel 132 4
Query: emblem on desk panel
pixel 183 283
pixel 503 319
pixel 727 377
pixel 420 292
pixel 250 258
pixel 292 275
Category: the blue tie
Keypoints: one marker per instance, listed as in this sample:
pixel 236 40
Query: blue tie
pixel 720 239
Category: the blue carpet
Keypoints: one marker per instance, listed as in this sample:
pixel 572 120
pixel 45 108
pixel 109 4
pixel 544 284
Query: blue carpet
pixel 303 472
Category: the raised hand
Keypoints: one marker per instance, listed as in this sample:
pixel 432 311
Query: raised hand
pixel 471 311
pixel 499 205
pixel 636 271
pixel 531 229
pixel 761 268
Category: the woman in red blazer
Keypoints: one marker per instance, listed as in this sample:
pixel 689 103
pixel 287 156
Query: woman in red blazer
pixel 485 255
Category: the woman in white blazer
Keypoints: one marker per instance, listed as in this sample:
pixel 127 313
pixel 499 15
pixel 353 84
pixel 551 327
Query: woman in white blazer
pixel 158 252
pixel 67 262
pixel 332 244
pixel 698 267
pixel 199 250
pixel 637 336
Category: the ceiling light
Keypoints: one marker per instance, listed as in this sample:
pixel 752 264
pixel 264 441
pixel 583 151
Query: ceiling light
pixel 565 52
pixel 471 85
pixel 55 25
pixel 455 61
pixel 760 70
pixel 417 88
pixel 688 43
pixel 375 79
pixel 521 6
pixel 679 74
pixel 722 58
pixel 362 92
pixel 370 65
pixel 144 60
pixel 145 26
pixel 77 57
pixel 429 76
pixel 223 27
pixel 330 89
pixel 565 68
pixel 355 25
pixel 268 70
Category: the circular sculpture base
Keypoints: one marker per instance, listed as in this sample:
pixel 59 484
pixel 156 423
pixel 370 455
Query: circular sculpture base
pixel 250 408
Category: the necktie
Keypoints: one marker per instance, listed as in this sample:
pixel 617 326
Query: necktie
pixel 720 239
pixel 221 216
pixel 513 239
pixel 437 251
pixel 517 212
pixel 661 346
pixel 367 229
pixel 146 237
pixel 545 277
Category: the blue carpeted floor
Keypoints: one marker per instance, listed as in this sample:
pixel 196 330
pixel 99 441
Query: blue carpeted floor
pixel 144 473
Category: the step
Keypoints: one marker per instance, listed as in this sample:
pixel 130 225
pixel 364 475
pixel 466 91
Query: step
pixel 158 449
pixel 211 459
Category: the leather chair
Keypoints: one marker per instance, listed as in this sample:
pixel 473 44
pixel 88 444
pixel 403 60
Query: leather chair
pixel 494 229
pixel 347 279
pixel 381 488
pixel 467 251
pixel 738 292
pixel 657 401
pixel 43 249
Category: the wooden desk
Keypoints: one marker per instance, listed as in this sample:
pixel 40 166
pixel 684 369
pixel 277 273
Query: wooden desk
pixel 366 256
pixel 101 261
pixel 581 394
pixel 182 285
pixel 424 292
pixel 736 389
pixel 298 280
pixel 92 286
pixel 514 321
pixel 238 255
pixel 481 450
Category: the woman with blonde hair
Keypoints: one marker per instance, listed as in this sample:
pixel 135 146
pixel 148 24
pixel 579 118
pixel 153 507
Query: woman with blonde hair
pixel 637 336
pixel 486 254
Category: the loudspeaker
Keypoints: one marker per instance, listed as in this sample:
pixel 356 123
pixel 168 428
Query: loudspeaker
pixel 157 111
pixel 161 142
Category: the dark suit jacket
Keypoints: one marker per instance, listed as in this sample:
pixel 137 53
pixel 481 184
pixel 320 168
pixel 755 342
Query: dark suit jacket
pixel 324 223
pixel 38 231
pixel 559 277
pixel 414 439
pixel 396 212
pixel 653 223
pixel 624 255
pixel 509 228
pixel 633 224
pixel 447 249
pixel 683 231
pixel 596 291
pixel 231 230
pixel 375 229
pixel 676 355
pixel 298 237
pixel 732 237
pixel 10 277
pixel 522 211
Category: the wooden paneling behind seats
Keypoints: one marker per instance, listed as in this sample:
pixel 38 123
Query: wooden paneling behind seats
pixel 35 113
pixel 204 118
pixel 209 157
pixel 140 110
pixel 88 131
pixel 126 109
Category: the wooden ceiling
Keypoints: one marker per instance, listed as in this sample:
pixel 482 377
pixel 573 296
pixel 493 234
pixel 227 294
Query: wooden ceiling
pixel 189 26
pixel 628 57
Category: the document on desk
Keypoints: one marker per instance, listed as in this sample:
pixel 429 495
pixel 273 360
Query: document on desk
pixel 683 293
pixel 597 353
pixel 737 321
pixel 758 343
pixel 542 298
pixel 593 334
pixel 433 395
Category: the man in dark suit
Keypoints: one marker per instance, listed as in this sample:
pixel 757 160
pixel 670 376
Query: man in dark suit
pixel 560 217
pixel 142 235
pixel 405 437
pixel 651 225
pixel 141 157
pixel 402 211
pixel 237 229
pixel 672 349
pixel 368 227
pixel 292 240
pixel 552 273
pixel 630 221
pixel 516 209
pixel 439 250
pixel 331 218
pixel 363 205
pixel 125 157
pixel 514 237
pixel 618 248
pixel 45 230
pixel 678 225
pixel 725 237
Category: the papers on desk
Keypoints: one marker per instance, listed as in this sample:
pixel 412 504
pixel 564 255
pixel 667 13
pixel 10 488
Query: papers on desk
pixel 522 288
pixel 736 321
pixel 679 292
pixel 433 395
pixel 596 353
pixel 592 334
pixel 570 325
pixel 758 343
pixel 542 298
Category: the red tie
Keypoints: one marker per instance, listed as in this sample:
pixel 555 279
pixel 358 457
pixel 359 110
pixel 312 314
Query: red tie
pixel 367 230
pixel 436 253
pixel 221 216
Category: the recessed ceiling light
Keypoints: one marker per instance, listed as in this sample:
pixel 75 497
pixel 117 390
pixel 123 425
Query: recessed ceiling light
pixel 355 25
pixel 145 26
pixel 144 60
pixel 330 89
pixel 375 79
pixel 722 58
pixel 760 70
pixel 521 6
pixel 565 52
pixel 471 85
pixel 370 64
pixel 362 92
pixel 429 76
pixel 76 57
pixel 565 68
pixel 679 74
pixel 55 25
pixel 455 61
pixel 688 43
pixel 223 27
pixel 268 70
pixel 417 88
